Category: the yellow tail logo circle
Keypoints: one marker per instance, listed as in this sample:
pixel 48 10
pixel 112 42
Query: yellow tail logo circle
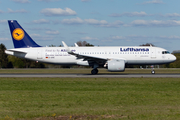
pixel 18 34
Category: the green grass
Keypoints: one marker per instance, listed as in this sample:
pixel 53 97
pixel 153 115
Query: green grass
pixel 88 71
pixel 90 98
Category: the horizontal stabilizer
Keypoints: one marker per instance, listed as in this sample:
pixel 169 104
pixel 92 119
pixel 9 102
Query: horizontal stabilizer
pixel 17 53
pixel 16 50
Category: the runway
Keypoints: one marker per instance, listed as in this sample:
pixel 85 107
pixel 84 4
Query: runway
pixel 93 76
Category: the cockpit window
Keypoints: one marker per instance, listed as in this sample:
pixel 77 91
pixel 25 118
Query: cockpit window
pixel 165 52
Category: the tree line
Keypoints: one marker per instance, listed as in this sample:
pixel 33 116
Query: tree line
pixel 8 61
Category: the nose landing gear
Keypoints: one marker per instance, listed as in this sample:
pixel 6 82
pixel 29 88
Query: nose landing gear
pixel 152 70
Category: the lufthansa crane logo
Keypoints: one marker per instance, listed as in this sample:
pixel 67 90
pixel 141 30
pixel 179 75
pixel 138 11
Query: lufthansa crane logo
pixel 18 34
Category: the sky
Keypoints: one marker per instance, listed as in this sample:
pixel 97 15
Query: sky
pixel 99 22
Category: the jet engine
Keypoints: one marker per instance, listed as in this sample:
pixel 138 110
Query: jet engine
pixel 116 65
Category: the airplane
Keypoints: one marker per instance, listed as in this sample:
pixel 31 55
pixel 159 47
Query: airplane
pixel 112 58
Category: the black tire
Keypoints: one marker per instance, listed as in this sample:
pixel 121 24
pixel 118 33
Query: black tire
pixel 94 71
pixel 97 71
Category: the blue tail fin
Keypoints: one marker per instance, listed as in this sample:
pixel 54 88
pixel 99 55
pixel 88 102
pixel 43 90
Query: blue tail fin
pixel 19 36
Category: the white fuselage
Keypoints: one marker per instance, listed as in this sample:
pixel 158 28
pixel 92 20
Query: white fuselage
pixel 135 55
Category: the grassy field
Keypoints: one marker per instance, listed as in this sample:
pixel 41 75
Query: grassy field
pixel 90 98
pixel 88 71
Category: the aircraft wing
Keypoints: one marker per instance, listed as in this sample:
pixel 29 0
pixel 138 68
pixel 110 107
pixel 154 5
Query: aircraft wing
pixel 85 57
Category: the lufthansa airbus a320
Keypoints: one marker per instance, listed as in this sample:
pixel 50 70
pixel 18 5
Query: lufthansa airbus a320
pixel 112 58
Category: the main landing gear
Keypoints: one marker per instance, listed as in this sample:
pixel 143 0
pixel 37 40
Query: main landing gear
pixel 94 71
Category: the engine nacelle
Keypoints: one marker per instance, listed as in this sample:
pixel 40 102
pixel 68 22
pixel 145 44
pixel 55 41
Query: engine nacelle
pixel 116 65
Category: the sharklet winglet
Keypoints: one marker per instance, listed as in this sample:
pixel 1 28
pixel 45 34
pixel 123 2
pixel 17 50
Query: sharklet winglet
pixel 76 45
pixel 66 47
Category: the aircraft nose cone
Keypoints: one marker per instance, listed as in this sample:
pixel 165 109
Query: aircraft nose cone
pixel 173 58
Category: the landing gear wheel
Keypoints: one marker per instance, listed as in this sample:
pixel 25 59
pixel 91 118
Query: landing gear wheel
pixel 97 71
pixel 94 71
pixel 152 72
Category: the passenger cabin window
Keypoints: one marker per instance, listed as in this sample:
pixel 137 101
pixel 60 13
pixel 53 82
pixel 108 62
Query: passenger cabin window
pixel 165 52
